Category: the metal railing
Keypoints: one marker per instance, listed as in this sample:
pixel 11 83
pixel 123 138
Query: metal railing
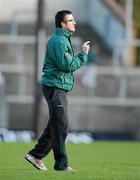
pixel 22 70
pixel 121 99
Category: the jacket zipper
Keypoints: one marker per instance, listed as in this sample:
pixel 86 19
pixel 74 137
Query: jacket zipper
pixel 63 80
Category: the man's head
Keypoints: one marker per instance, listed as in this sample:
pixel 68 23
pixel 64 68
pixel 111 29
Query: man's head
pixel 64 19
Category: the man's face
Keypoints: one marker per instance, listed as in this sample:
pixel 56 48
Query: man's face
pixel 69 23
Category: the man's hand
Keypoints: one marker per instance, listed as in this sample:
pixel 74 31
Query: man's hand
pixel 86 47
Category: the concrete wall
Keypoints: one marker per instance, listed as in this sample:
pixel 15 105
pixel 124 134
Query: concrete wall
pixel 3 107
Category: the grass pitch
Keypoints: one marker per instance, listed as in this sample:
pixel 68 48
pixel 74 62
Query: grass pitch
pixel 99 160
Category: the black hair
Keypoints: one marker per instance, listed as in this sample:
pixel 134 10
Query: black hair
pixel 59 17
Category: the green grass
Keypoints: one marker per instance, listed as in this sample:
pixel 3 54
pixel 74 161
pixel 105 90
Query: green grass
pixel 99 160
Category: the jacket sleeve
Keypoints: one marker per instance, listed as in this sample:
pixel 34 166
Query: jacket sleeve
pixel 67 62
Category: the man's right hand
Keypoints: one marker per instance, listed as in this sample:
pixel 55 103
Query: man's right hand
pixel 86 47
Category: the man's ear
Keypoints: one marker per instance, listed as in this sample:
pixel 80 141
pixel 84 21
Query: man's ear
pixel 63 24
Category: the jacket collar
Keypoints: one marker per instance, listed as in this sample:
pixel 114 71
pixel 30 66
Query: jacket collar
pixel 63 32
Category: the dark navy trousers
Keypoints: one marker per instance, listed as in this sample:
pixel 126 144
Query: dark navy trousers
pixel 54 135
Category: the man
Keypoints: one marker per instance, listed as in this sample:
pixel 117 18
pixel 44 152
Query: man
pixel 57 79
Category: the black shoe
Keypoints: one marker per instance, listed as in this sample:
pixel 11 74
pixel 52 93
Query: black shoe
pixel 67 169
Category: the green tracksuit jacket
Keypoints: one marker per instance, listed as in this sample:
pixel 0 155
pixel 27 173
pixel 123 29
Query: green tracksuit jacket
pixel 60 61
